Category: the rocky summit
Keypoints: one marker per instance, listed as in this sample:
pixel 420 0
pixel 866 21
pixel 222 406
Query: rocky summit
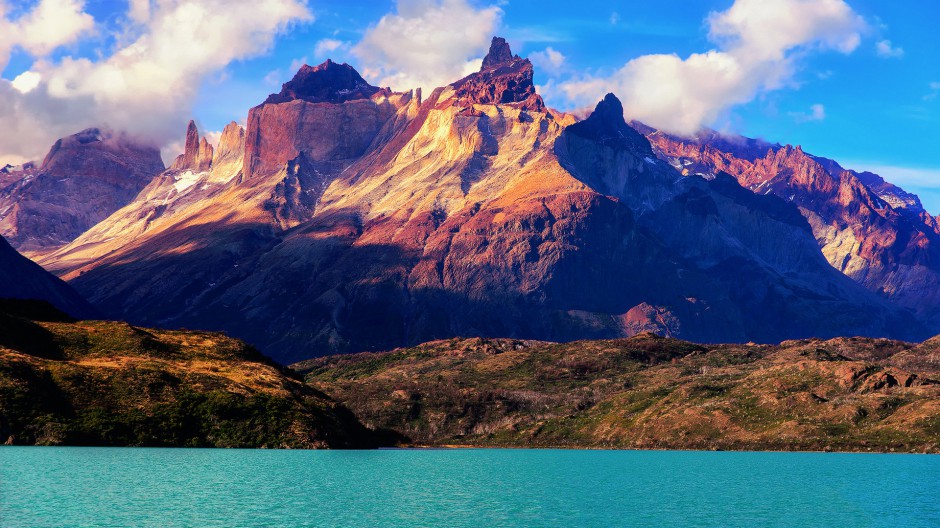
pixel 473 211
pixel 83 179
pixel 503 79
pixel 327 83
pixel 197 155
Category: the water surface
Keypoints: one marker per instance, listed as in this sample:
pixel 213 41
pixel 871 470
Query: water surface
pixel 46 486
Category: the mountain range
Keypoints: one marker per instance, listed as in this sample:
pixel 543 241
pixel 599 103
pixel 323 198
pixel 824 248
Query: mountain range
pixel 345 217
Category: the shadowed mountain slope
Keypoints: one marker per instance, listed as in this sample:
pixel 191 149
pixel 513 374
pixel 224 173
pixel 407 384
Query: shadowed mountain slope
pixel 21 278
pixel 872 231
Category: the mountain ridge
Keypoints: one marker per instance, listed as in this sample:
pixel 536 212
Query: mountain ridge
pixel 872 231
pixel 473 211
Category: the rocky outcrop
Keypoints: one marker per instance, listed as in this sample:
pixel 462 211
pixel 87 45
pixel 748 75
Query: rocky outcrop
pixel 874 232
pixel 83 179
pixel 503 79
pixel 451 215
pixel 197 154
pixel 606 126
pixel 499 53
pixel 305 116
pixel 327 83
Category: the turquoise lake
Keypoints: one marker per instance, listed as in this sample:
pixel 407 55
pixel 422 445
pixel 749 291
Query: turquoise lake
pixel 52 486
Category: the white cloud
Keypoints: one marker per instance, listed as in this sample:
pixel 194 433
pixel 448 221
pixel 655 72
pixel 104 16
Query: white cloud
pixel 817 112
pixel 614 18
pixel 549 60
pixel 26 81
pixel 49 25
pixel 758 45
pixel 213 137
pixel 327 46
pixel 147 85
pixel 273 78
pixel 884 49
pixel 427 43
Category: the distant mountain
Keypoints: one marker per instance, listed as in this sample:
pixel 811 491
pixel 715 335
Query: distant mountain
pixel 364 219
pixel 82 180
pixel 21 278
pixel 873 231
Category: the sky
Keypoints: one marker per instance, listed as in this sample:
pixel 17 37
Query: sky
pixel 854 80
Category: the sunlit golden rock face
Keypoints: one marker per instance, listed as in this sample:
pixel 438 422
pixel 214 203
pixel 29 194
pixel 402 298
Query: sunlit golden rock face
pixel 363 219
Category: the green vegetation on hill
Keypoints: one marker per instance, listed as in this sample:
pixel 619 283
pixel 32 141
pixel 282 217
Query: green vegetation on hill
pixel 66 382
pixel 647 392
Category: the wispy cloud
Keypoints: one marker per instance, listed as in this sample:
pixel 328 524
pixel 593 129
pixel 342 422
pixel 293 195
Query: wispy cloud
pixel 817 112
pixel 885 50
pixel 49 25
pixel 934 91
pixel 548 60
pixel 325 47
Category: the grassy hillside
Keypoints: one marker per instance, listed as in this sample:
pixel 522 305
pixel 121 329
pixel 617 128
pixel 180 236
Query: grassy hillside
pixel 65 382
pixel 647 392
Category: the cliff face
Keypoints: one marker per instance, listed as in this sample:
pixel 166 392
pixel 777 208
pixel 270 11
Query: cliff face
pixel 197 154
pixel 83 179
pixel 371 219
pixel 872 231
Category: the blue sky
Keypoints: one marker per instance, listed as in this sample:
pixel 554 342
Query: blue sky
pixel 874 106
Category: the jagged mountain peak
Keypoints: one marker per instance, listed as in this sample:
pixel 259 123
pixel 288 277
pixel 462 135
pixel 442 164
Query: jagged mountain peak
pixel 197 153
pixel 90 135
pixel 790 150
pixel 607 126
pixel 503 79
pixel 329 82
pixel 500 53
